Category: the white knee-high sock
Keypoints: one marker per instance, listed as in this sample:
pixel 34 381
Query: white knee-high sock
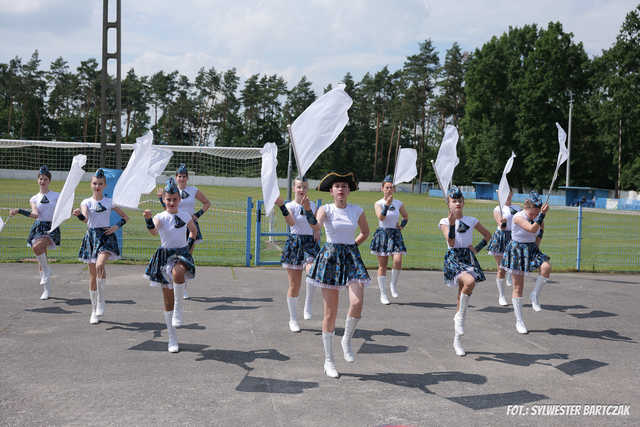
pixel 178 303
pixel 458 319
pixel 393 285
pixel 349 328
pixel 291 303
pixel 500 284
pixel 382 284
pixel 308 300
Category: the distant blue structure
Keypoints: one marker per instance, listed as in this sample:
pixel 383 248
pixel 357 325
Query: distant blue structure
pixel 486 190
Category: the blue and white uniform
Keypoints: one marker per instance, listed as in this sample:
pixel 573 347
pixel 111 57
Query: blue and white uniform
pixel 387 239
pixel 188 205
pixel 95 240
pixel 522 254
pixel 300 247
pixel 173 248
pixel 339 264
pixel 501 237
pixel 460 258
pixel 46 205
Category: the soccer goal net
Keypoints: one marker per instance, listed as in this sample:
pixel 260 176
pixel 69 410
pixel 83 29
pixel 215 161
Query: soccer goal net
pixel 25 155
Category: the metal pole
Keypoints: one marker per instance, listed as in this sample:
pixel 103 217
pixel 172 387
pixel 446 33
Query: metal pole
pixel 118 112
pixel 103 83
pixel 247 249
pixel 569 136
pixel 579 236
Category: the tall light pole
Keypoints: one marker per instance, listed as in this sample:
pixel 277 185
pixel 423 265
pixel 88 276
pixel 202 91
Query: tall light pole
pixel 569 137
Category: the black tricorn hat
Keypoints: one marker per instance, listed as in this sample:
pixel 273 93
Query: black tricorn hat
pixel 331 177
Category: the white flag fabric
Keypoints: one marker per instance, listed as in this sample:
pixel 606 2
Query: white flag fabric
pixel 1 224
pixel 269 176
pixel 503 187
pixel 447 159
pixel 563 154
pixel 139 177
pixel 405 166
pixel 64 206
pixel 318 126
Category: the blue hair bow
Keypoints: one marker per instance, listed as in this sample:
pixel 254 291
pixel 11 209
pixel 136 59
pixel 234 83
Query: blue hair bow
pixel 99 173
pixel 388 178
pixel 182 169
pixel 171 187
pixel 455 192
pixel 535 199
pixel 44 170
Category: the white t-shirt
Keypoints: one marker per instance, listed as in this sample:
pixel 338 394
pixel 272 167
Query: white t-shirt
pixel 46 205
pixel 99 212
pixel 340 224
pixel 302 226
pixel 507 214
pixel 188 202
pixel 464 239
pixel 172 229
pixel 393 214
pixel 519 234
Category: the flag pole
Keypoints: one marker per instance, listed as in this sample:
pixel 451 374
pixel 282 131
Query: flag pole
pixel 295 152
pixel 444 193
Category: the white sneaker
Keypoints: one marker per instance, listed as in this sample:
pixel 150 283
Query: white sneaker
pixel 94 318
pixel 502 301
pixel 330 369
pixel 293 326
pixel 45 290
pixel 534 302
pixel 457 346
pixel 384 299
pixel 347 350
pixel 521 328
pixel 307 315
pixel 394 291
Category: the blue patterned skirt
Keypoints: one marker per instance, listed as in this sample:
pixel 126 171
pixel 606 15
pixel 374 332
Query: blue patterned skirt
pixel 387 241
pixel 521 258
pixel 299 249
pixel 199 238
pixel 40 230
pixel 96 241
pixel 337 266
pixel 160 268
pixel 499 242
pixel 458 261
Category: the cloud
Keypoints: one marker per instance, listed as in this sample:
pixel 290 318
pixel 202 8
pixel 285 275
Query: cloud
pixel 322 39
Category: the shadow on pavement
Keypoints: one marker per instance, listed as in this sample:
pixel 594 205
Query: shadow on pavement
pixel 580 366
pixel 420 381
pixel 594 314
pixel 368 348
pixel 607 335
pixel 496 400
pixel 518 359
pixel 271 385
pixel 242 358
pixel 151 345
pixel 50 310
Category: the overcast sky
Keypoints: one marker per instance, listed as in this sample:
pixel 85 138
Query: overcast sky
pixel 322 39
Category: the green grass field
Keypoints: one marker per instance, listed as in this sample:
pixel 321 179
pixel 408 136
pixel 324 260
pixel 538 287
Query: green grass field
pixel 610 241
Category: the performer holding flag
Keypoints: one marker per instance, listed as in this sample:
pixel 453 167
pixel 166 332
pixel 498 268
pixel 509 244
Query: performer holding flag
pixel 172 262
pixel 99 243
pixel 461 267
pixel 42 236
pixel 523 254
pixel 339 265
pixel 503 214
pixel 387 240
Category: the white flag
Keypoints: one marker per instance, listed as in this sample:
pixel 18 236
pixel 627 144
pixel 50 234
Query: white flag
pixel 269 176
pixel 1 224
pixel 563 154
pixel 318 126
pixel 64 206
pixel 139 177
pixel 503 187
pixel 447 159
pixel 405 166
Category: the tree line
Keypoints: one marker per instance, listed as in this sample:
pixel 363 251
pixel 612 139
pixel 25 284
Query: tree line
pixel 505 96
